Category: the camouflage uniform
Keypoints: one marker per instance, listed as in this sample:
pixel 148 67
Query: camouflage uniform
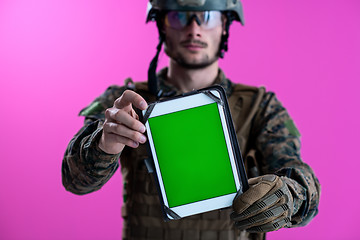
pixel 270 145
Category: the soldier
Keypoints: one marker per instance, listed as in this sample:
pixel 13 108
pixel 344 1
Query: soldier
pixel 284 191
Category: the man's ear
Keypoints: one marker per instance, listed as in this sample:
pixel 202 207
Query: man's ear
pixel 161 23
pixel 161 28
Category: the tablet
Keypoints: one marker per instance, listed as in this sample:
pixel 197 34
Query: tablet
pixel 196 159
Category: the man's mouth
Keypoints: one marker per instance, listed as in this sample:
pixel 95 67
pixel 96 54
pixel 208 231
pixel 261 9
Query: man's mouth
pixel 193 45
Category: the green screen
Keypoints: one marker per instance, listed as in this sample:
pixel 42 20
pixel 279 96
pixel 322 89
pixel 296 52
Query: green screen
pixel 192 155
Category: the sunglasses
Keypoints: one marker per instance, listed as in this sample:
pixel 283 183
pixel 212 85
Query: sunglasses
pixel 206 19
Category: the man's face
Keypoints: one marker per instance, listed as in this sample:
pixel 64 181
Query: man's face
pixel 193 46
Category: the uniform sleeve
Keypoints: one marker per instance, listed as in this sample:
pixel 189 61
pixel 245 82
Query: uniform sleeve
pixel 278 144
pixel 85 167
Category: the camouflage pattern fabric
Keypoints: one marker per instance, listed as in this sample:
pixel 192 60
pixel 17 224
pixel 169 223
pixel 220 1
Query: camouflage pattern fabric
pixel 273 146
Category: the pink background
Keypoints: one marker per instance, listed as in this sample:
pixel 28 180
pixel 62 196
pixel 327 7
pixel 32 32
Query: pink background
pixel 56 56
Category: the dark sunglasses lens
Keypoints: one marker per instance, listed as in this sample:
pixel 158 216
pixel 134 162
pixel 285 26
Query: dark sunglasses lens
pixel 206 19
pixel 176 20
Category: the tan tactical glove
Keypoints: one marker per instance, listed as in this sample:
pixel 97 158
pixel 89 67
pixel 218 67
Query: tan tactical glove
pixel 266 206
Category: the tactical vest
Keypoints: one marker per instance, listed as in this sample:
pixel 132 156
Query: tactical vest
pixel 142 211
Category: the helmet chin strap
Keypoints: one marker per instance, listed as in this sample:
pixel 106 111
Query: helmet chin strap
pixel 224 38
pixel 152 78
pixel 153 83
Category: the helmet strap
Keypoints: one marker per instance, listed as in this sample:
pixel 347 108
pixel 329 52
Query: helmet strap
pixel 153 83
pixel 224 38
pixel 152 77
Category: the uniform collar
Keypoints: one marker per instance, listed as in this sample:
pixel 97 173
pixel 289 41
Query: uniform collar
pixel 170 89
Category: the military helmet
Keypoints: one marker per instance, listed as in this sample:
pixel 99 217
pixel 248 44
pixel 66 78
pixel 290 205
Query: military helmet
pixel 157 6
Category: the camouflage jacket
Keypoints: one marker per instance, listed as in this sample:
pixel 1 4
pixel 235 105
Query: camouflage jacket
pixel 272 146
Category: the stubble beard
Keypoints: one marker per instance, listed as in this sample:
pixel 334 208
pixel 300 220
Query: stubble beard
pixel 186 63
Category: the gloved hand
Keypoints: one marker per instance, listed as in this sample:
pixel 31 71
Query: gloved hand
pixel 266 206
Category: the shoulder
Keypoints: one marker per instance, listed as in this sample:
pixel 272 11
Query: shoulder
pixel 107 98
pixel 111 94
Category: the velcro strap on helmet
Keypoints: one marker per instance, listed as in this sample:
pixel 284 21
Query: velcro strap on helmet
pixel 191 2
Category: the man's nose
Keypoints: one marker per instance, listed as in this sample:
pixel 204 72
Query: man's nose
pixel 193 29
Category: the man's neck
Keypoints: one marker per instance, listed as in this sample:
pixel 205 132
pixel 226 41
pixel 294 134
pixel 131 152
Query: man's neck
pixel 187 80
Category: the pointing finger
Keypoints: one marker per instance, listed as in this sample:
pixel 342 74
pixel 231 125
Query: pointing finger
pixel 130 97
